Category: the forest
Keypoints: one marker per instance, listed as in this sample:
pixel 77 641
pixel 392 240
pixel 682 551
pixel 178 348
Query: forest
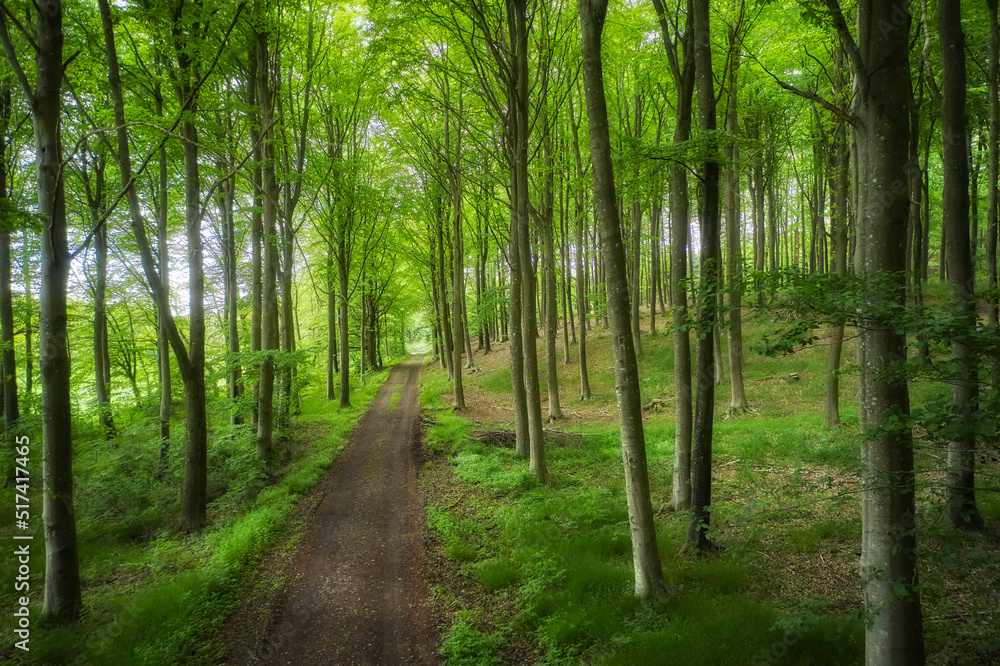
pixel 702 294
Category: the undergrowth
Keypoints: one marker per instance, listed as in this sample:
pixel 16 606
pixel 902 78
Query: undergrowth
pixel 152 593
pixel 783 589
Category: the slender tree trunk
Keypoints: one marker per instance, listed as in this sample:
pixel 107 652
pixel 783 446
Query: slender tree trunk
pixel 529 321
pixel 581 277
pixel 684 79
pixel 191 363
pixel 162 330
pixel 345 352
pixel 701 456
pixel 256 231
pixel 8 365
pixel 194 495
pixel 993 180
pixel 734 243
pixel 331 324
pixel 102 359
pixel 287 315
pixel 62 600
pixel 549 262
pixel 649 582
pixel 840 174
pixel 29 306
pixel 235 381
pixel 458 255
pixel 269 298
pixel 961 493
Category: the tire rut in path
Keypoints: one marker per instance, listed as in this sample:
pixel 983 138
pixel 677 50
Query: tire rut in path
pixel 360 596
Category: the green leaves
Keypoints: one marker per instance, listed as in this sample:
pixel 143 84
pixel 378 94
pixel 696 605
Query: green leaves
pixel 14 219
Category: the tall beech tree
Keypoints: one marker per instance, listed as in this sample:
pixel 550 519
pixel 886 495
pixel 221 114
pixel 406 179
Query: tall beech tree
pixel 8 359
pixel 962 509
pixel 63 600
pixel 649 581
pixel 679 46
pixel 581 276
pixel 701 451
pixel 269 295
pixel 879 60
pixel 190 357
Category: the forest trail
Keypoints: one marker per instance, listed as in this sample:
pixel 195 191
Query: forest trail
pixel 356 591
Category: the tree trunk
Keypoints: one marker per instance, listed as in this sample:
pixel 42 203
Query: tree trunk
pixel 649 582
pixel 29 305
pixel 888 560
pixel 191 363
pixel 331 324
pixel 162 331
pixel 961 492
pixel 734 251
pixel 8 360
pixel 102 359
pixel 701 457
pixel 839 184
pixel 993 179
pixel 234 380
pixel 345 351
pixel 549 261
pixel 256 229
pixel 287 323
pixel 529 321
pixel 458 254
pixel 269 297
pixel 684 74
pixel 62 601
pixel 581 277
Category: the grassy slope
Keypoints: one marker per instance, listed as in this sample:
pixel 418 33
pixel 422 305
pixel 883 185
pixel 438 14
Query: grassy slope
pixel 550 564
pixel 152 594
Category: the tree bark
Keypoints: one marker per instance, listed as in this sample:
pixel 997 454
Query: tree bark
pixel 235 379
pixel 684 78
pixel 701 457
pixel 331 324
pixel 62 601
pixel 269 297
pixel 581 276
pixel 880 60
pixel 734 249
pixel 649 582
pixel 549 261
pixel 102 359
pixel 190 363
pixel 993 179
pixel 8 361
pixel 256 229
pixel 529 321
pixel 961 491
pixel 839 185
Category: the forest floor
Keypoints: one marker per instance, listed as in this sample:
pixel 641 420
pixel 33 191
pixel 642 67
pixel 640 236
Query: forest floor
pixel 349 586
pixel 540 572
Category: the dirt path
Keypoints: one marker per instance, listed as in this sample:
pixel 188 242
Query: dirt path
pixel 356 592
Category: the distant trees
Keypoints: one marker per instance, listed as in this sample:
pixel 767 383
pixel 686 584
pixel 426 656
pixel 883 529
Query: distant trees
pixel 359 163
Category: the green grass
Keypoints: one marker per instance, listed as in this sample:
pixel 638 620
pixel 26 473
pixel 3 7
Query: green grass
pixel 785 488
pixel 564 551
pixel 153 594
